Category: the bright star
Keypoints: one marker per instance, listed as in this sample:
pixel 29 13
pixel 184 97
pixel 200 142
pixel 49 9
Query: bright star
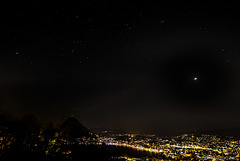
pixel 195 78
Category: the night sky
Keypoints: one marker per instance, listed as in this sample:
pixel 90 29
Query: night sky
pixel 170 65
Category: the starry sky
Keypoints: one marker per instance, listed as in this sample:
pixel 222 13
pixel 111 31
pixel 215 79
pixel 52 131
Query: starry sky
pixel 168 65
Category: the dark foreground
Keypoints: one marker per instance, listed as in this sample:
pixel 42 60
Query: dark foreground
pixel 81 152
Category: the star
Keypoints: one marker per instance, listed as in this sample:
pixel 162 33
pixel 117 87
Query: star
pixel 195 78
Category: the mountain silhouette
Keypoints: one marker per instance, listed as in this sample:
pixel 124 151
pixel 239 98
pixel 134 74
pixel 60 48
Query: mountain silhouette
pixel 73 129
pixel 235 132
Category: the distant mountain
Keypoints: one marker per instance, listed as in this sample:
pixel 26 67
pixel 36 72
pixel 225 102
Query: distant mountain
pixel 105 130
pixel 235 132
pixel 72 128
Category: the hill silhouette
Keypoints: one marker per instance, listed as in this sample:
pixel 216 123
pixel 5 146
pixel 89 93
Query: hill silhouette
pixel 234 132
pixel 72 128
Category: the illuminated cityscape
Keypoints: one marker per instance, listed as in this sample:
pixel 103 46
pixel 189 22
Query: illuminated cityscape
pixel 71 138
pixel 188 146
